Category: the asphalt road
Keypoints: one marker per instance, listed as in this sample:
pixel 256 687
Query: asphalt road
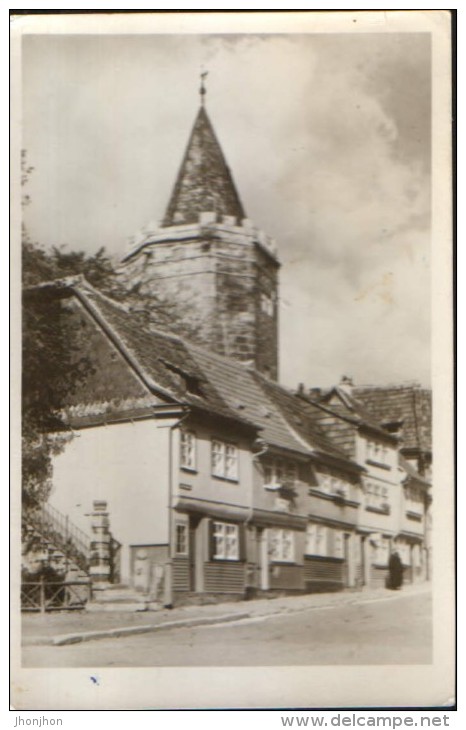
pixel 393 631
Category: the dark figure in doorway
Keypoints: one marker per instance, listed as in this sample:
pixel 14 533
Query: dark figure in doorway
pixel 395 572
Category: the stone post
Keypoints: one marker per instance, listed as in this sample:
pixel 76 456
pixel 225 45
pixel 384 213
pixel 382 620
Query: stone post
pixel 100 567
pixel 167 585
pixel 265 577
pixel 350 555
pixel 367 560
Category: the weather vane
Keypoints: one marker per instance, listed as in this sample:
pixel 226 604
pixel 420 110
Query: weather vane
pixel 202 90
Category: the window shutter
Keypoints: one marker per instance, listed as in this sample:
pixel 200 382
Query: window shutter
pixel 211 540
pixel 242 542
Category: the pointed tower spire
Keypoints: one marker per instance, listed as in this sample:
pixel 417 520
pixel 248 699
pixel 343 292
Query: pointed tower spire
pixel 204 183
pixel 202 90
pixel 213 268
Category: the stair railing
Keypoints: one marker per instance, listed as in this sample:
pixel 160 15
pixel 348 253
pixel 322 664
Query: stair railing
pixel 64 526
pixel 61 531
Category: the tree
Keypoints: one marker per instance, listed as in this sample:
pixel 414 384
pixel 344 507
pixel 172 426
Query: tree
pixel 51 369
pixel 52 366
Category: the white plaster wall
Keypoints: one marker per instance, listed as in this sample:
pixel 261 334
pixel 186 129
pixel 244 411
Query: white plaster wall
pixel 126 464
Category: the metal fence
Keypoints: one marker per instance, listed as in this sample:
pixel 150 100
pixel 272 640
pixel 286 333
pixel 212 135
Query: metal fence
pixel 42 595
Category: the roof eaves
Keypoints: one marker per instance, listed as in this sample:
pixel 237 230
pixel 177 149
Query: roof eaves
pixel 224 415
pixel 340 461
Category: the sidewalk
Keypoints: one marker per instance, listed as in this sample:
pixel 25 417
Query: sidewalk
pixel 58 628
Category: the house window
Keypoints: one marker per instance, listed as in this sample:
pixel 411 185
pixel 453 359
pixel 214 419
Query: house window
pixel 378 452
pixel 278 472
pixel 376 495
pixel 181 538
pixel 310 540
pixel 333 485
pixel 224 460
pixel 382 551
pixel 188 450
pixel 267 304
pixel 316 540
pixel 413 500
pixel 281 545
pixel 231 461
pixel 225 541
pixel 339 544
pixel 321 540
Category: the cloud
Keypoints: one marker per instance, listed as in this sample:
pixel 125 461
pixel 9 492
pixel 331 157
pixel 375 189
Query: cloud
pixel 328 139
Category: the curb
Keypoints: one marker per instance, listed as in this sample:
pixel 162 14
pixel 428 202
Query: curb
pixel 77 638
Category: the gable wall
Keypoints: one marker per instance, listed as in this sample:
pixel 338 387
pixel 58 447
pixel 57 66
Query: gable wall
pixel 125 464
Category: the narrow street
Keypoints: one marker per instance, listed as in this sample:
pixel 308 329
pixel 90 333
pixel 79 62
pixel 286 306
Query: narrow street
pixel 393 630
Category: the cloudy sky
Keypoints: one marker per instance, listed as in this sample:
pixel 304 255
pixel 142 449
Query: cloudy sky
pixel 328 140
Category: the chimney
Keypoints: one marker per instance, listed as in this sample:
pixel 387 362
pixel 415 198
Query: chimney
pixel 346 384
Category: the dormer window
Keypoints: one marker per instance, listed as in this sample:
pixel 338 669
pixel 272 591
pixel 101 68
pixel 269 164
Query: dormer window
pixel 189 381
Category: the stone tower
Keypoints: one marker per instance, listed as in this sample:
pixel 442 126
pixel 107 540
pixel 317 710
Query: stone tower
pixel 209 262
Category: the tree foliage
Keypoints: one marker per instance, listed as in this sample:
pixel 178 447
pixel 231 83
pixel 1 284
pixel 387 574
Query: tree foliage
pixel 52 366
pixel 51 369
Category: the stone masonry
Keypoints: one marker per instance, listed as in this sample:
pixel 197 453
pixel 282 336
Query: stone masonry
pixel 217 272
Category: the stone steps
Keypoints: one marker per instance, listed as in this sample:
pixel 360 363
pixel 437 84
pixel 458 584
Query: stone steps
pixel 121 598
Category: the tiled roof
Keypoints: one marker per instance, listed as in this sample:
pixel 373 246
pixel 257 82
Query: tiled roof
pixel 204 182
pixel 164 359
pixel 338 429
pixel 164 368
pixel 242 392
pixel 302 417
pixel 283 419
pixel 408 403
pixel 354 410
pixel 161 362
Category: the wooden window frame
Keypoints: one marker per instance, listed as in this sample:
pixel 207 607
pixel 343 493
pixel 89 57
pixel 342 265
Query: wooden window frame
pixel 185 529
pixel 187 433
pixel 222 472
pixel 220 532
pixel 280 533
